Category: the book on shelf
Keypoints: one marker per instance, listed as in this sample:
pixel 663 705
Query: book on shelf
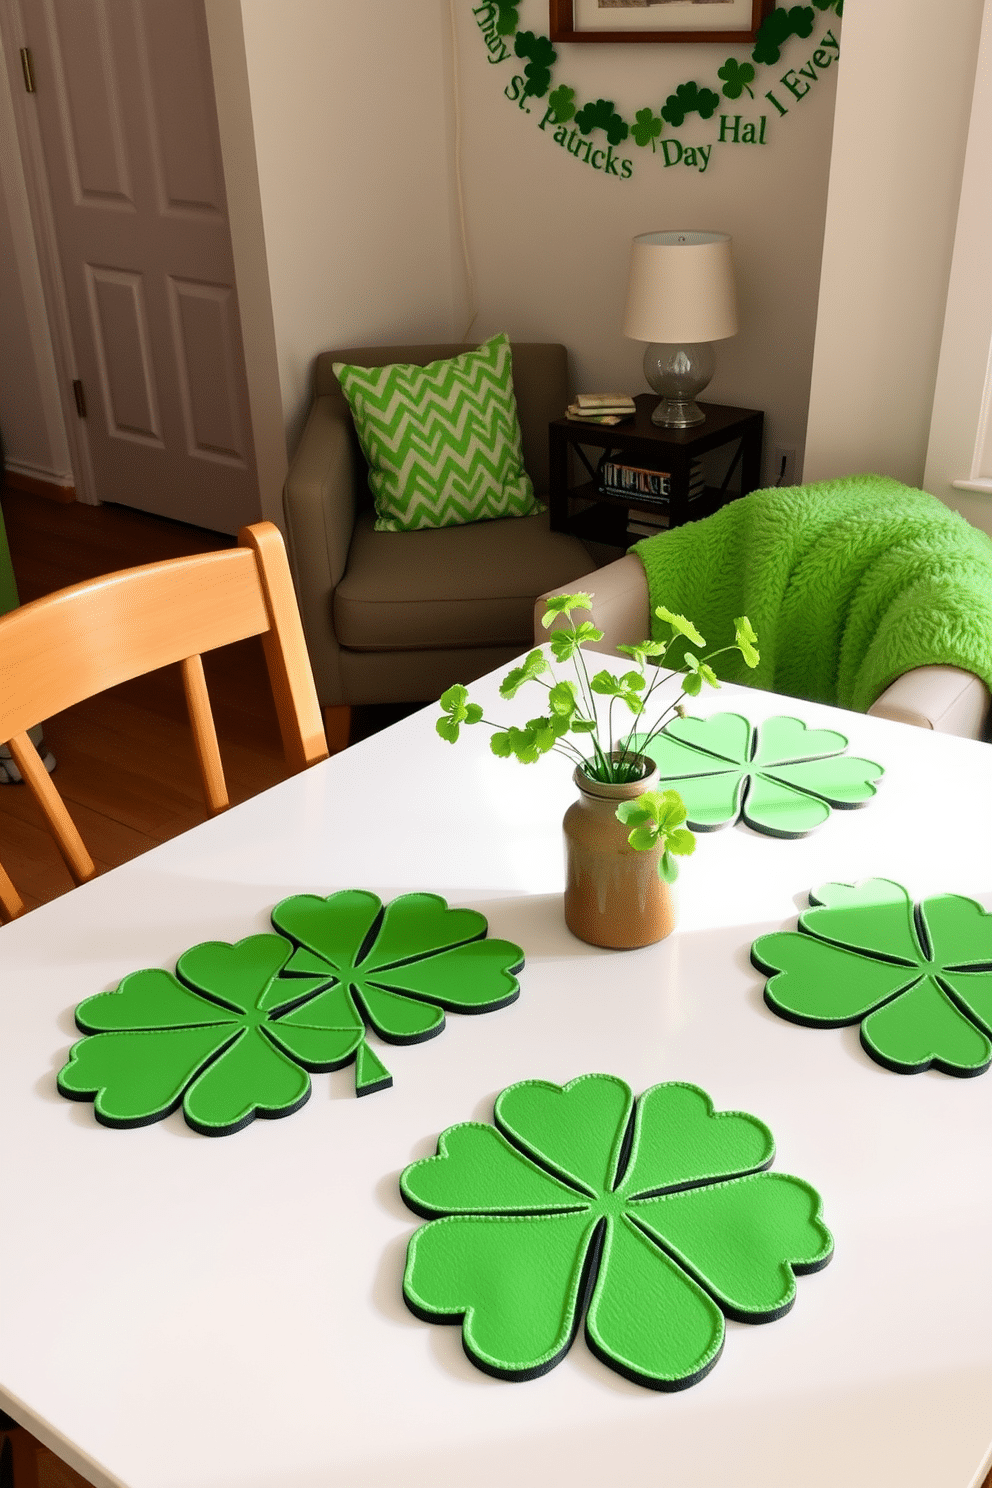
pixel 605 403
pixel 647 524
pixel 619 479
pixel 598 415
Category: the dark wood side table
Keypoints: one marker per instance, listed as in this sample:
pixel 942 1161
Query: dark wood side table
pixel 589 512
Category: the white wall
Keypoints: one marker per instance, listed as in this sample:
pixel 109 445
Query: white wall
pixel 30 410
pixel 349 103
pixel 904 95
pixel 550 236
pixel 355 122
pixel 960 446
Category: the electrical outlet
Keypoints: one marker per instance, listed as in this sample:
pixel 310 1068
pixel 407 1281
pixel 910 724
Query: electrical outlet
pixel 784 467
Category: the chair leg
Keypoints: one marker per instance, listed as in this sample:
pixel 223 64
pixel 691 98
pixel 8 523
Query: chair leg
pixel 337 725
pixel 22 1461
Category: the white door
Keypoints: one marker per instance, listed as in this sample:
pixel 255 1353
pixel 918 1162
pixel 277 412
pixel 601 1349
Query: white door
pixel 128 131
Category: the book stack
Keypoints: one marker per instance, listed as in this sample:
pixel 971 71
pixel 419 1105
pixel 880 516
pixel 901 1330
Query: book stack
pixel 617 479
pixel 601 408
pixel 646 486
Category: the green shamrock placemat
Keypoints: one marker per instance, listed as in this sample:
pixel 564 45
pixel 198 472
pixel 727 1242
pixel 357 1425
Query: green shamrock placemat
pixel 918 981
pixel 233 1034
pixel 779 777
pixel 654 1218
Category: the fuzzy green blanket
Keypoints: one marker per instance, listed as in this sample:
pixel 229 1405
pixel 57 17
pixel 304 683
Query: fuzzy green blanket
pixel 848 584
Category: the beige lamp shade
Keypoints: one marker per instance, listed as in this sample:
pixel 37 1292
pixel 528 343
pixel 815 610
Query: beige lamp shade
pixel 681 288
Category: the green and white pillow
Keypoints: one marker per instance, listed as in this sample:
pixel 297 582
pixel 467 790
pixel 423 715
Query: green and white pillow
pixel 442 441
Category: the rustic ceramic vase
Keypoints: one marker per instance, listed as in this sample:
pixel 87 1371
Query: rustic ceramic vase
pixel 613 895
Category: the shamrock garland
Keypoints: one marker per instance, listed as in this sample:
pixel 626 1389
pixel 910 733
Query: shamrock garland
pixel 654 1217
pixel 690 97
pixel 233 1034
pixel 919 982
pixel 780 777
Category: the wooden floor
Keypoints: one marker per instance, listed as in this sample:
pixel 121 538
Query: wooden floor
pixel 125 761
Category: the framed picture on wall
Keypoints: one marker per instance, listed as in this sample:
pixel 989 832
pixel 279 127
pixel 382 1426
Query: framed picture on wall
pixel 658 20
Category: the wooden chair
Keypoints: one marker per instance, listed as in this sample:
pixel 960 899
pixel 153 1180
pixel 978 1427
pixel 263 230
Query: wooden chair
pixel 79 641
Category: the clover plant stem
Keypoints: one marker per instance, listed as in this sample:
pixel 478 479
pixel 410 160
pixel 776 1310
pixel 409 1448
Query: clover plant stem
pixel 584 683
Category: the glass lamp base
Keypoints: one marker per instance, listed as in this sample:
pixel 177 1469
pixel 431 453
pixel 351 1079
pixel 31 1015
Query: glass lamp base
pixel 679 374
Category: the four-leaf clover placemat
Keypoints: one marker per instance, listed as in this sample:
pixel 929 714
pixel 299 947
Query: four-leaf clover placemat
pixel 779 777
pixel 919 982
pixel 236 1031
pixel 655 1218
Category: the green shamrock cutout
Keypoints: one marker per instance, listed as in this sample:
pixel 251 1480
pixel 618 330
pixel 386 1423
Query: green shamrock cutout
pixel 780 777
pixel 209 1038
pixel 601 115
pixel 689 98
pixel 655 1217
pixel 233 1034
pixel 647 128
pixel 562 104
pixel 395 969
pixel 541 58
pixel 737 78
pixel 919 982
pixel 777 27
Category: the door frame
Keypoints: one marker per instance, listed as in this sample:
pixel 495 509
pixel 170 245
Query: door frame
pixel 14 31
pixel 233 100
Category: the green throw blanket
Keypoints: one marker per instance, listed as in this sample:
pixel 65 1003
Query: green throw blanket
pixel 848 584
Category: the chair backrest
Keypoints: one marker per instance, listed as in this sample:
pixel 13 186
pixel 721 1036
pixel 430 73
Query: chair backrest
pixel 79 641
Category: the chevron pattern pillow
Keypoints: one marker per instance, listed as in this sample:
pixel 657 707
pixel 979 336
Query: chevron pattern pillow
pixel 442 441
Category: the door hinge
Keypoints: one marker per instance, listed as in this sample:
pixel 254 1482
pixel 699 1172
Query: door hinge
pixel 80 397
pixel 27 67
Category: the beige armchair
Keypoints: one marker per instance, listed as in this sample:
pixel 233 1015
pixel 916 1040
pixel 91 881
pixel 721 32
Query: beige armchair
pixel 943 698
pixel 399 616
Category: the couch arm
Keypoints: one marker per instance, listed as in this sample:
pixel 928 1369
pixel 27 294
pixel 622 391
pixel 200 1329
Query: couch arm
pixel 619 607
pixel 943 698
pixel 319 503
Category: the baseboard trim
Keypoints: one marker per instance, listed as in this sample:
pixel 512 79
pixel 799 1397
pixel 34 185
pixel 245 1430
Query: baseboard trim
pixel 34 485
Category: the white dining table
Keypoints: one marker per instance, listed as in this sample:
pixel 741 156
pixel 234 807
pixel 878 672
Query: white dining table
pixel 209 1312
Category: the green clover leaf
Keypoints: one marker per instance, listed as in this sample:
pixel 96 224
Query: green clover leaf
pixel 680 625
pixel 919 982
pixel 644 650
pixel 746 641
pixel 528 744
pixel 689 98
pixel 212 1038
pixel 737 77
pixel 647 127
pixel 395 968
pixel 564 604
pixel 565 643
pixel 656 818
pixel 697 672
pixel 658 1211
pixel 779 778
pixel 458 710
pixel 603 115
pixel 535 664
pixel 627 688
pixel 562 105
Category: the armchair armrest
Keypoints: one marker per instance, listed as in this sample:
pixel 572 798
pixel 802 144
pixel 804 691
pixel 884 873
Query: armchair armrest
pixel 943 698
pixel 319 504
pixel 620 603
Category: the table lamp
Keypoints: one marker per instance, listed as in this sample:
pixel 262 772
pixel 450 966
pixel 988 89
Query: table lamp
pixel 680 298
